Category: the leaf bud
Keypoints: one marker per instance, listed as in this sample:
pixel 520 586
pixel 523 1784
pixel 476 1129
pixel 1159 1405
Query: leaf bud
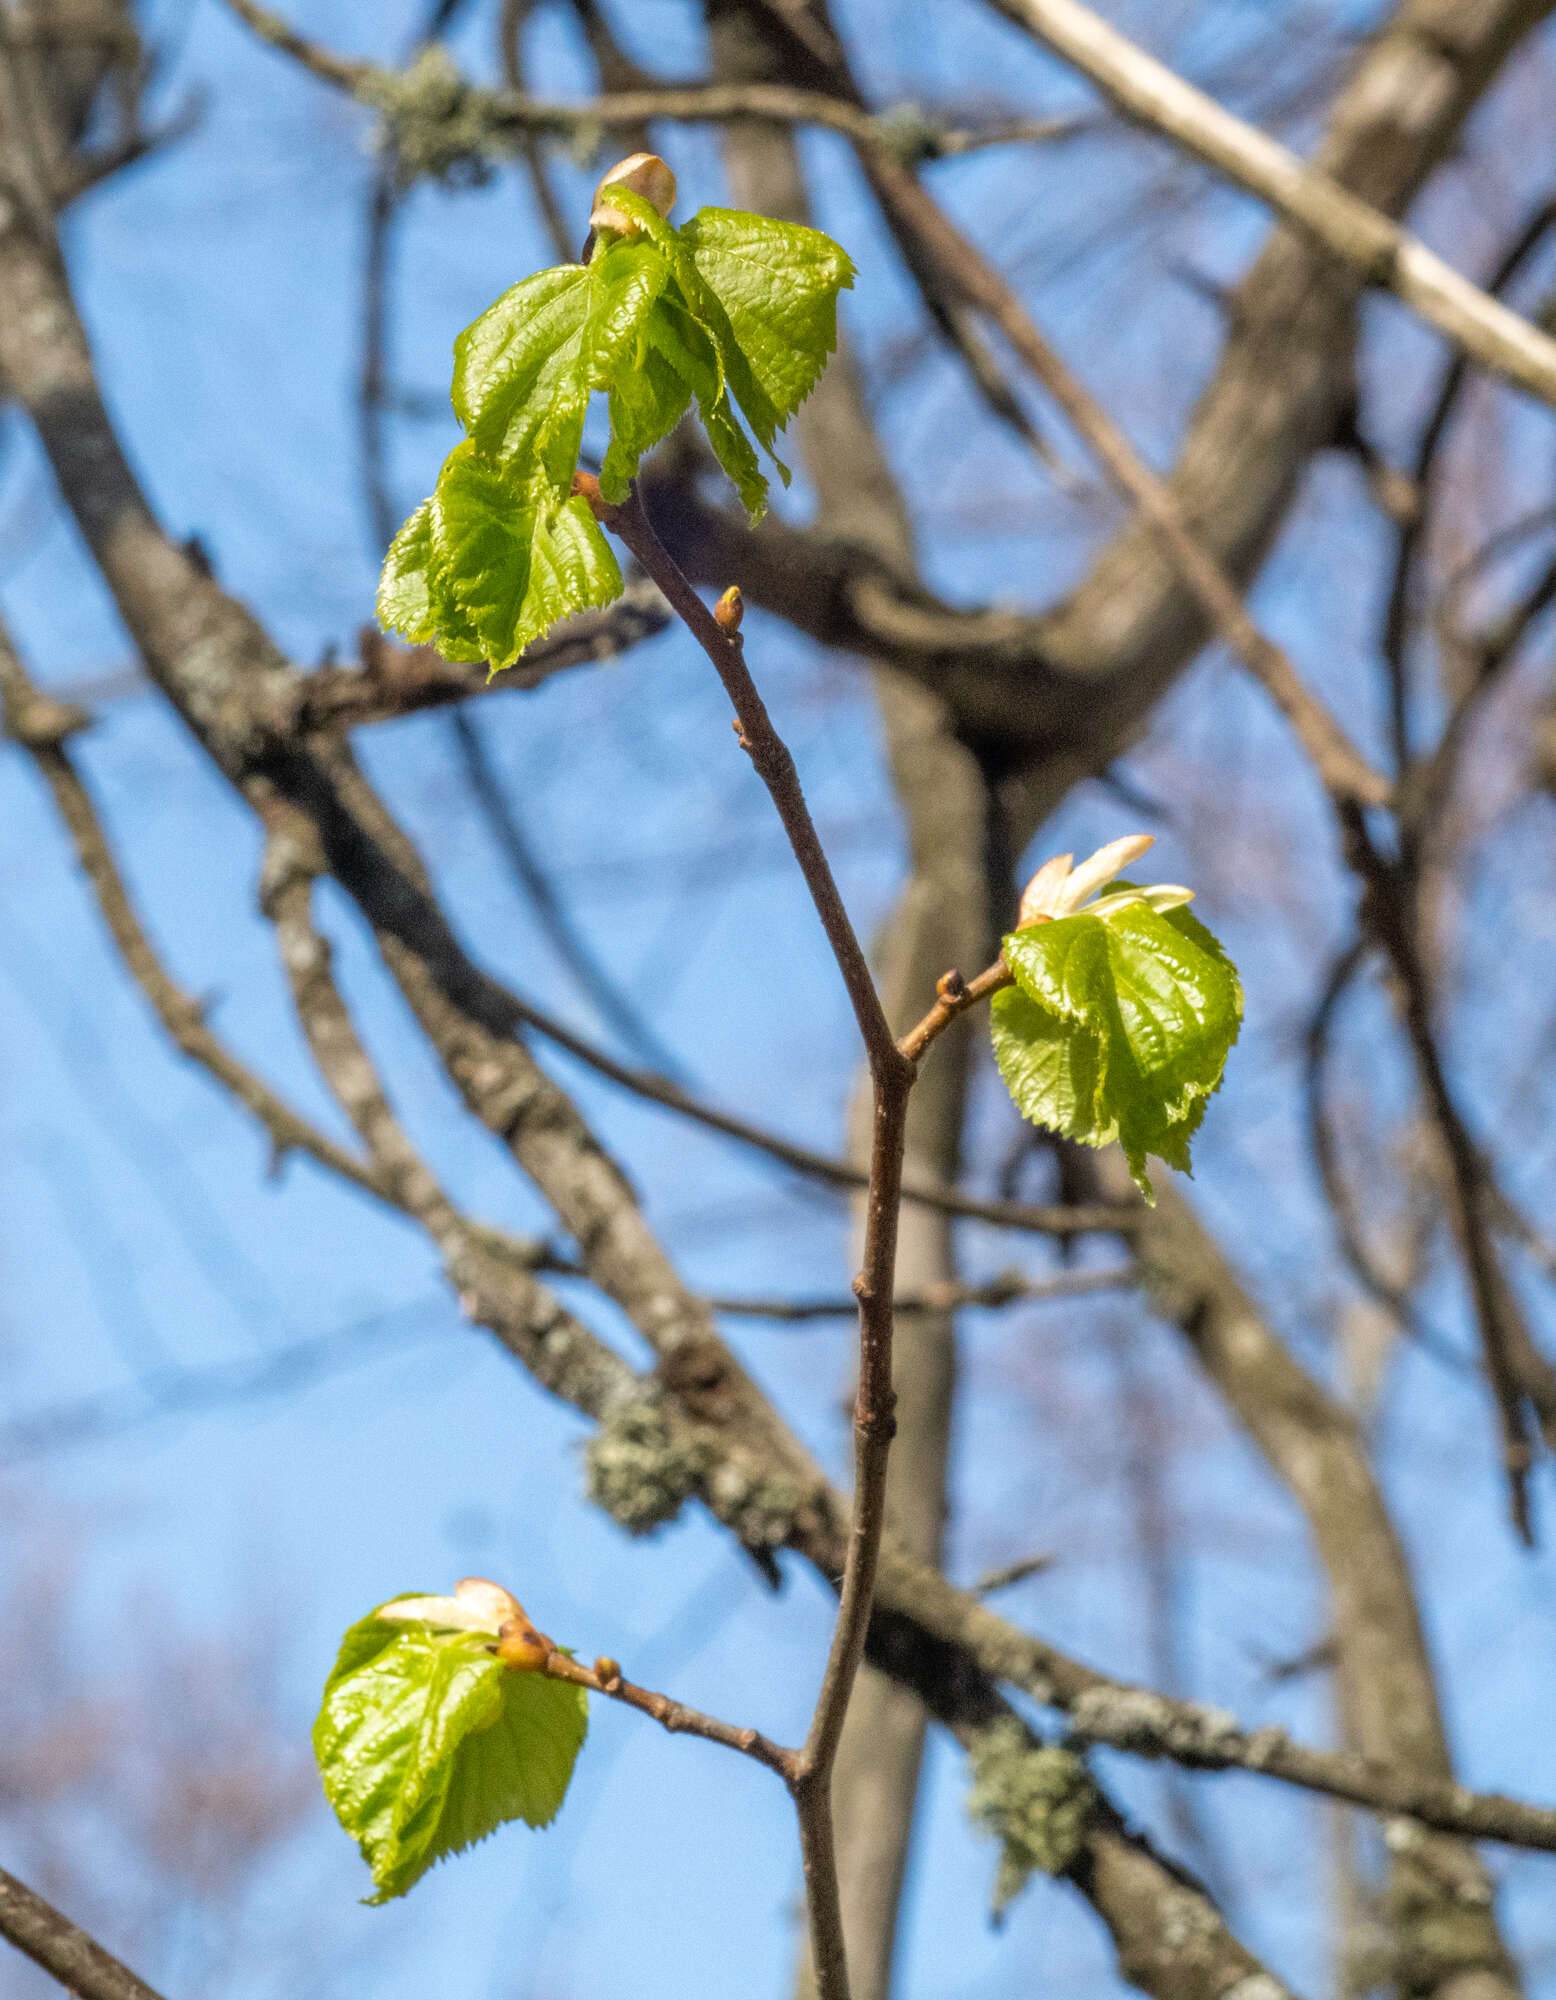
pixel 494 1605
pixel 730 609
pixel 521 1648
pixel 607 1671
pixel 645 174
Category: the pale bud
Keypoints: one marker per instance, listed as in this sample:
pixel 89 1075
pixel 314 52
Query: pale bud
pixel 488 1600
pixel 476 1606
pixel 646 175
pixel 1037 898
pixel 1059 889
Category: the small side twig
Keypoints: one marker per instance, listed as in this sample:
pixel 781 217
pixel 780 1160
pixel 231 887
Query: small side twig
pixel 1010 1290
pixel 605 1677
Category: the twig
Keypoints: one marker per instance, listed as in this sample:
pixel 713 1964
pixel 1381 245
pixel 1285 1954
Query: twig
pixel 1150 94
pixel 720 640
pixel 1344 772
pixel 1043 1219
pixel 892 1073
pixel 1008 1575
pixel 1415 529
pixel 1517 1386
pixel 605 1677
pixel 63 1949
pixel 42 727
pixel 953 996
pixel 390 681
pixel 508 114
pixel 1010 1290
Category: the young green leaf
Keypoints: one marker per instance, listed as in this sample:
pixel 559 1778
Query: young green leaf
pixel 414 595
pixel 1118 1027
pixel 736 313
pixel 763 297
pixel 524 372
pixel 778 284
pixel 426 1743
pixel 504 560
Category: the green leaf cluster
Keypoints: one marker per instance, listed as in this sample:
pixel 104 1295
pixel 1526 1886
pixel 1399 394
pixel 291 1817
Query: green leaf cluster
pixel 426 1744
pixel 734 313
pixel 1118 1027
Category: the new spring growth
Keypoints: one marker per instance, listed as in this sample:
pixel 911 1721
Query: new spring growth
pixel 479 1605
pixel 729 610
pixel 644 174
pixel 1120 1011
pixel 1060 890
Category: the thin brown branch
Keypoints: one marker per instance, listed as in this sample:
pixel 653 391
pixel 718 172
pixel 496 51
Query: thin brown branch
pixel 605 1678
pixel 1010 1290
pixel 1523 1385
pixel 42 726
pixel 1415 528
pixel 1043 1219
pixel 720 639
pixel 892 1073
pixel 63 1949
pixel 953 996
pixel 390 681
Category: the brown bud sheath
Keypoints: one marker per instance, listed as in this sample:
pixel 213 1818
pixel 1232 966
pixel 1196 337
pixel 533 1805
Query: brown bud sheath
pixel 521 1648
pixel 730 609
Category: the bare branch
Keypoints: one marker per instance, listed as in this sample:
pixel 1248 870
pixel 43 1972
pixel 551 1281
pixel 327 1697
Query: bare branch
pixel 1012 1289
pixel 76 1960
pixel 505 115
pixel 42 727
pixel 1152 95
pixel 1345 773
pixel 391 681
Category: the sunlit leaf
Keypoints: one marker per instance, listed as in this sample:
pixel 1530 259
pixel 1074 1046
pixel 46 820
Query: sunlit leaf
pixel 511 557
pixel 1118 1027
pixel 426 1744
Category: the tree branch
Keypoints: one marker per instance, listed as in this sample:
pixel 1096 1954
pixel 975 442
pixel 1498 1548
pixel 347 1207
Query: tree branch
pixel 391 681
pixel 1344 772
pixel 892 1074
pixel 1150 94
pixel 504 115
pixel 65 1951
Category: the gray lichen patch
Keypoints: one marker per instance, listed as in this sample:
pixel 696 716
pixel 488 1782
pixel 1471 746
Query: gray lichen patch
pixel 759 1507
pixel 434 123
pixel 1149 1725
pixel 1036 1801
pixel 636 1469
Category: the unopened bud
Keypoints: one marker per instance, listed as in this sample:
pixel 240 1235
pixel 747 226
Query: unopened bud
pixel 951 986
pixel 1038 897
pixel 607 1671
pixel 730 609
pixel 645 174
pixel 490 1602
